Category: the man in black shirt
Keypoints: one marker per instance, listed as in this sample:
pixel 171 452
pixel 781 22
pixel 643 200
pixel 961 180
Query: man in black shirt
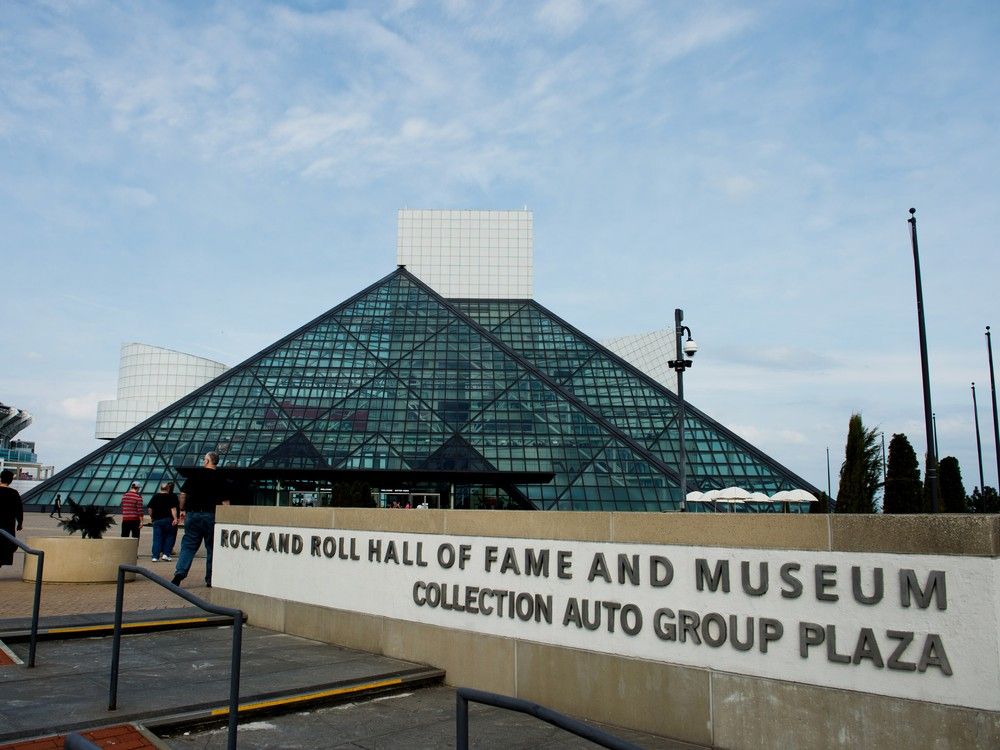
pixel 11 515
pixel 200 495
pixel 164 512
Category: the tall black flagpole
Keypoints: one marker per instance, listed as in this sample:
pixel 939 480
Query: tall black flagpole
pixel 993 390
pixel 932 477
pixel 979 442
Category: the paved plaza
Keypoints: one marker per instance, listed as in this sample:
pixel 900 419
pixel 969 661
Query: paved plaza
pixel 173 678
pixel 72 598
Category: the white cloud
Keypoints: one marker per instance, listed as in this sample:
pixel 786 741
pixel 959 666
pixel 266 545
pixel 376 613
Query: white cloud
pixel 737 186
pixel 561 16
pixel 135 197
pixel 303 130
pixel 83 407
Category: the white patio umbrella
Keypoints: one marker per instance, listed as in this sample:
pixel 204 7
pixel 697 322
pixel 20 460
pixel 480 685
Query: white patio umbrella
pixel 801 496
pixel 733 495
pixel 759 498
pixel 729 496
pixel 793 496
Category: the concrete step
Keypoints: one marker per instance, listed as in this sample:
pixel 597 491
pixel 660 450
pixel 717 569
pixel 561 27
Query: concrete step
pixel 98 629
pixel 282 702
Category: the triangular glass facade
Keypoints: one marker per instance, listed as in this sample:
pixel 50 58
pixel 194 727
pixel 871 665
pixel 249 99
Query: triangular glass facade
pixel 399 378
pixel 629 399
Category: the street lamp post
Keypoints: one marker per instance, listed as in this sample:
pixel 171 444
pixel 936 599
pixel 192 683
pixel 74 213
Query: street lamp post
pixel 932 474
pixel 684 349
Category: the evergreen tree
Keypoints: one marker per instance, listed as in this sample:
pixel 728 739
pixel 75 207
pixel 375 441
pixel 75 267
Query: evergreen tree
pixel 952 489
pixel 822 505
pixel 985 500
pixel 928 504
pixel 903 489
pixel 861 470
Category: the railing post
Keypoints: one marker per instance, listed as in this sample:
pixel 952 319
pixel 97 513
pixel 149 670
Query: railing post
pixel 234 669
pixel 117 640
pixel 76 741
pixel 35 607
pixel 234 679
pixel 568 723
pixel 37 604
pixel 461 721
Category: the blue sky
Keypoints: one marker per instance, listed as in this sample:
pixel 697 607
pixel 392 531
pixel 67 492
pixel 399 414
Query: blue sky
pixel 209 176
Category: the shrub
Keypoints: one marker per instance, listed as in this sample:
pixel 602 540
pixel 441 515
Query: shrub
pixel 90 520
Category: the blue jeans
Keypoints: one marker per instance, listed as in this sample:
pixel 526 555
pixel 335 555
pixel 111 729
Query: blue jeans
pixel 164 534
pixel 198 528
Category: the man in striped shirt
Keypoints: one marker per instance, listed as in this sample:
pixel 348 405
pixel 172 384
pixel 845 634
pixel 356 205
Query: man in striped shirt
pixel 132 511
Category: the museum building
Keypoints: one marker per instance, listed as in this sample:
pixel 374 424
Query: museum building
pixel 473 402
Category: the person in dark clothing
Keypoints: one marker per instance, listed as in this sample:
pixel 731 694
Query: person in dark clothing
pixel 164 512
pixel 56 507
pixel 200 495
pixel 11 516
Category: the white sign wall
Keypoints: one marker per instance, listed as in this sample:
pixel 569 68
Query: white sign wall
pixel 912 626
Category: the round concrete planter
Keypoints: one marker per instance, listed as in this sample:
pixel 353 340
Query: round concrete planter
pixel 73 559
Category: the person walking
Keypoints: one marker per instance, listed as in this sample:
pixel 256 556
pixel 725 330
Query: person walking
pixel 11 516
pixel 132 511
pixel 168 545
pixel 200 495
pixel 56 507
pixel 164 513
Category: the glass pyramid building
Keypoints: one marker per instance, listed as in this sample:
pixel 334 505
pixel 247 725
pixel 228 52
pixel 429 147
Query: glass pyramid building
pixel 399 378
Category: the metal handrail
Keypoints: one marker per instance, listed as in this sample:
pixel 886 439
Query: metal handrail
pixel 38 591
pixel 74 741
pixel 234 669
pixel 464 695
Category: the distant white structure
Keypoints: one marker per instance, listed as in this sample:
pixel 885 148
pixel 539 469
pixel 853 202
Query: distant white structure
pixel 478 254
pixel 149 379
pixel 490 255
pixel 650 352
pixel 19 455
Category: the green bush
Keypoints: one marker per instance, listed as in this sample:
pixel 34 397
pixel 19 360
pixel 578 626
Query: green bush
pixel 90 520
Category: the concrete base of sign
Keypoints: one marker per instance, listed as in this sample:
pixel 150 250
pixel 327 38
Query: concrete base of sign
pixel 706 706
pixel 72 559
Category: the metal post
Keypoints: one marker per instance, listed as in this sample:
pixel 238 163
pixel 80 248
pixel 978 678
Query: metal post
pixel 116 642
pixel 979 441
pixel 883 461
pixel 829 488
pixel 461 722
pixel 993 390
pixel 932 474
pixel 884 470
pixel 74 741
pixel 234 680
pixel 35 607
pixel 679 331
pixel 39 575
pixel 937 445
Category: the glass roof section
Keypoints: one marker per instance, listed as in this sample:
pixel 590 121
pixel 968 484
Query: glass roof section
pixel 399 378
pixel 629 399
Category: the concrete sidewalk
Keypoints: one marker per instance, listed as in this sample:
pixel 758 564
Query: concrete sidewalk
pixel 185 674
pixel 16 596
